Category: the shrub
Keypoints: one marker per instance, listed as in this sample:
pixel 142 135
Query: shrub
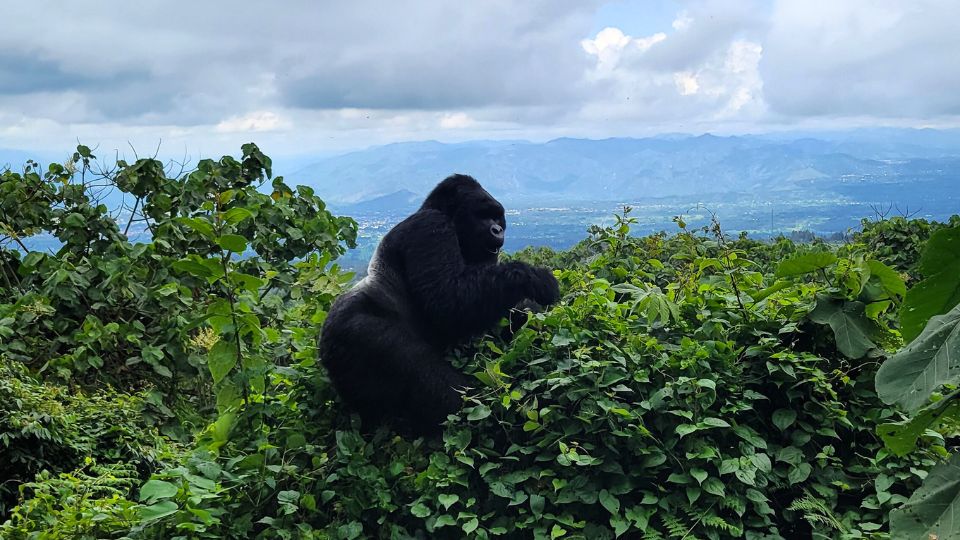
pixel 688 385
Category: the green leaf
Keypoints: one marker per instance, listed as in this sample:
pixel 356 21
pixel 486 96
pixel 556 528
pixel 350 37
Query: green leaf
pixel 802 264
pixel 783 418
pixel 420 510
pixel 537 503
pixel 478 413
pixel 75 220
pixel 610 502
pixel 762 462
pixel 685 429
pixel 764 293
pixel 714 486
pixel 221 359
pixel 199 225
pixel 889 279
pixel 799 473
pixel 751 436
pixel 901 437
pixel 910 377
pixel 288 497
pixel 192 266
pixel 33 259
pixel 228 398
pixel 619 524
pixel 233 242
pixel 470 525
pixel 851 327
pixel 939 291
pixel 162 370
pixel 747 476
pixel 246 281
pixel 220 429
pixel 714 422
pixel 931 512
pixel 756 496
pixel 729 465
pixel 448 500
pixel 443 520
pixel 152 490
pixel 158 510
pixel 790 454
pixel 350 530
pixel 236 215
pixel 698 474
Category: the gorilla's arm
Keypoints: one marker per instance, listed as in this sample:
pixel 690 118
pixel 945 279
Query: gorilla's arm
pixel 462 299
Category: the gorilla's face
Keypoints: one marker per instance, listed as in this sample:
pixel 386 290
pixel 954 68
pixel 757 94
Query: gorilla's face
pixel 480 228
pixel 476 215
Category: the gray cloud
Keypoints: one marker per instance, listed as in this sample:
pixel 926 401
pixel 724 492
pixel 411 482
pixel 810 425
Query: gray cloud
pixel 192 66
pixel 859 57
pixel 446 55
pixel 23 74
pixel 703 29
pixel 369 71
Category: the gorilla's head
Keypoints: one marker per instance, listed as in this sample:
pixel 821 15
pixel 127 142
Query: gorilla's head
pixel 476 215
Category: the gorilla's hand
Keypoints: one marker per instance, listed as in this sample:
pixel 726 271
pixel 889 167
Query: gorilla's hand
pixel 543 287
pixel 537 284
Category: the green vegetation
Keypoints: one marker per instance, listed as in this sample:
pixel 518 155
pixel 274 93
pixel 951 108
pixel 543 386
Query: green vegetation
pixel 689 385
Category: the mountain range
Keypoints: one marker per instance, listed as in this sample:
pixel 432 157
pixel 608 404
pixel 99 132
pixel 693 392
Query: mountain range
pixel 630 168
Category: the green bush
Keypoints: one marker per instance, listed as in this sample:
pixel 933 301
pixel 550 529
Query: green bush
pixel 49 429
pixel 898 241
pixel 688 385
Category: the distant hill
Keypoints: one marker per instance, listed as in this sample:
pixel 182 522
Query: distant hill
pixel 568 169
pixel 401 200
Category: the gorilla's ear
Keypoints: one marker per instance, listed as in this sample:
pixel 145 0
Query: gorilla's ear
pixel 449 193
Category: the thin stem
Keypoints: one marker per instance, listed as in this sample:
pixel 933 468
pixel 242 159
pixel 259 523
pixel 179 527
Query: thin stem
pixel 133 213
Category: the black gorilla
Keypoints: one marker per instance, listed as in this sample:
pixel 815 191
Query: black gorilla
pixel 433 282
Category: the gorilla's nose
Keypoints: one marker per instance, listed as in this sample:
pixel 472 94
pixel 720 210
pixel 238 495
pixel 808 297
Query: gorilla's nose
pixel 496 230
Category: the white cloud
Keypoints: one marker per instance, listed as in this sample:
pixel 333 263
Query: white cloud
pixel 686 83
pixel 696 72
pixel 252 122
pixel 609 44
pixel 682 22
pixel 458 120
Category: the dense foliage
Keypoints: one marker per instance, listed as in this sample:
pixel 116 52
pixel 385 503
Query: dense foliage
pixel 690 385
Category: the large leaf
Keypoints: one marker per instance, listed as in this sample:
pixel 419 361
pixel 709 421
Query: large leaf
pixel 930 361
pixel 851 327
pixel 901 437
pixel 221 359
pixel 233 242
pixel 236 215
pixel 939 291
pixel 157 489
pixel 200 225
pixel 889 279
pixel 802 264
pixel 158 510
pixel 933 511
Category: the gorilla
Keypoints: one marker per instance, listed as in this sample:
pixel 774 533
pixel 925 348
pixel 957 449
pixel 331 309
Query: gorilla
pixel 433 283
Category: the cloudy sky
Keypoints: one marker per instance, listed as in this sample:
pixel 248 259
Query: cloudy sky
pixel 303 77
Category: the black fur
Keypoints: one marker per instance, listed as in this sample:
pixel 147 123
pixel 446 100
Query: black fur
pixel 433 283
